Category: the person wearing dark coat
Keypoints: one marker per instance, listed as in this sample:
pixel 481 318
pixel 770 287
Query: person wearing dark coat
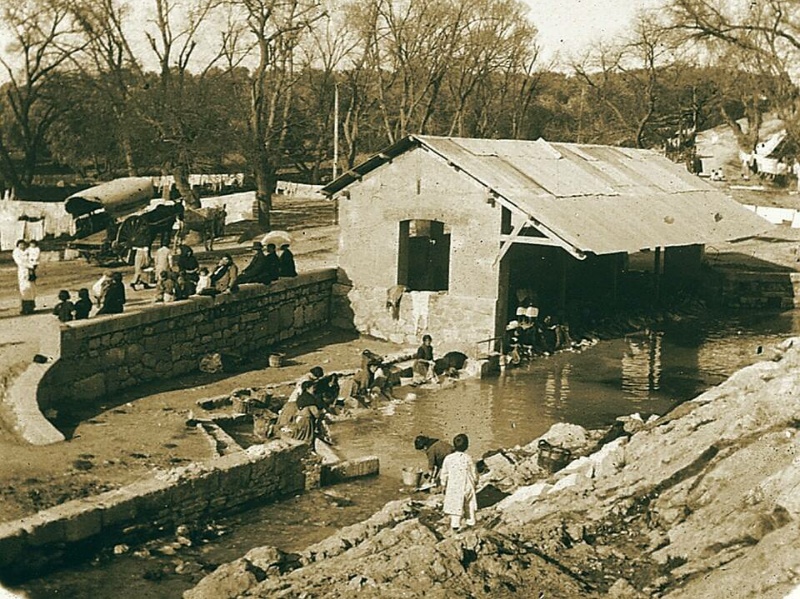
pixel 84 305
pixel 258 269
pixel 273 263
pixel 187 263
pixel 286 259
pixel 114 299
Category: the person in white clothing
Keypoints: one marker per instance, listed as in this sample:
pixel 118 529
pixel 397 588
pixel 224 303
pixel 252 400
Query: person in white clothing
pixel 26 278
pixel 459 477
pixel 98 290
pixel 163 259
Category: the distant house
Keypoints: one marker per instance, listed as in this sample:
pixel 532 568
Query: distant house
pixel 773 156
pixel 447 236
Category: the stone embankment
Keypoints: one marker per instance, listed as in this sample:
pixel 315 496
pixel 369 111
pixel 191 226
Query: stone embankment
pixel 702 502
pixel 151 506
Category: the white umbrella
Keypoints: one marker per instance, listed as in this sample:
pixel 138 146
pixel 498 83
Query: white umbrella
pixel 279 238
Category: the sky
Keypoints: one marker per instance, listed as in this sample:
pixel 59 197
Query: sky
pixel 568 27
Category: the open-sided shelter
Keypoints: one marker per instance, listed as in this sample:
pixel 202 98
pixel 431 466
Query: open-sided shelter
pixel 447 236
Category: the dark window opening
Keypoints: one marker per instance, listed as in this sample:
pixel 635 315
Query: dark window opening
pixel 424 256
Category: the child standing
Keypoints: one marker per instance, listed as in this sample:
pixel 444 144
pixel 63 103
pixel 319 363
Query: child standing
pixel 64 308
pixel 459 477
pixel 84 304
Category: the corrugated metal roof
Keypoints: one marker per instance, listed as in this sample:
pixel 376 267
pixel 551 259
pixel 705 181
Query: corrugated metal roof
pixel 597 199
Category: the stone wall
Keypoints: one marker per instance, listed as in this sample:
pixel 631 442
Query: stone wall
pixel 456 322
pixel 103 355
pixel 157 505
pixel 752 289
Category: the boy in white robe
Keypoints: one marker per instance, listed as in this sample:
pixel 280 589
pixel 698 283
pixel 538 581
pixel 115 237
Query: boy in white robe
pixel 459 477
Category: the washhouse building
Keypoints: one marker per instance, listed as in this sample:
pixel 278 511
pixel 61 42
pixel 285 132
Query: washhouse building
pixel 450 236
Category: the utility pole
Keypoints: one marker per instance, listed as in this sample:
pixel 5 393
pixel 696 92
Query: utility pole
pixel 335 129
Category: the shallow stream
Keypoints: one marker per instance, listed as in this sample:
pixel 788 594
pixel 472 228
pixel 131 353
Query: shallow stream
pixel 648 372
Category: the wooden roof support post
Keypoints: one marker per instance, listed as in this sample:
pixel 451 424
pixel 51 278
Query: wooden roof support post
pixel 509 241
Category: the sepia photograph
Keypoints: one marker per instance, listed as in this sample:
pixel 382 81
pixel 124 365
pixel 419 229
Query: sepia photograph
pixel 400 298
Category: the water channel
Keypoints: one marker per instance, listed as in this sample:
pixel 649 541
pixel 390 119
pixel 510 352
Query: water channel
pixel 648 372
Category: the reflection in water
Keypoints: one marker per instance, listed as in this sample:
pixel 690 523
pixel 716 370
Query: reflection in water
pixel 641 365
pixel 556 388
pixel 648 373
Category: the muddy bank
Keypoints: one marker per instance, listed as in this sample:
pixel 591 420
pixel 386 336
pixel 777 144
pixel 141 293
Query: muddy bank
pixel 702 502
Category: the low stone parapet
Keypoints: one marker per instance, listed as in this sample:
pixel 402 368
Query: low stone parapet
pixel 104 355
pixel 152 506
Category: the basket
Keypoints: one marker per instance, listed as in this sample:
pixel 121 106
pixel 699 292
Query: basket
pixel 552 458
pixel 276 360
pixel 412 477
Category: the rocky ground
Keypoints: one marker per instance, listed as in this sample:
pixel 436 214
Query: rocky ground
pixel 703 502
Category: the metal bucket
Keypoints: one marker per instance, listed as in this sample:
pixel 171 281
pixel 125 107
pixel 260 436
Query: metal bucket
pixel 412 477
pixel 275 360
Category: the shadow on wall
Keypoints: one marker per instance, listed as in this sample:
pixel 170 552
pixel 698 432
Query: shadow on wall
pixel 342 313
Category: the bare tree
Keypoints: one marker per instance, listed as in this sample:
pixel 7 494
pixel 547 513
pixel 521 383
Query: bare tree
pixel 178 31
pixel 764 36
pixel 496 45
pixel 112 67
pixel 275 28
pixel 625 78
pixel 42 41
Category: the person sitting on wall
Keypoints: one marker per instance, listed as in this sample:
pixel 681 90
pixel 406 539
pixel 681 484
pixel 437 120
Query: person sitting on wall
pixel 114 298
pixel 165 288
pixel 436 451
pixel 203 281
pixel 273 263
pixel 64 309
pixel 84 305
pixel 258 269
pixel 101 286
pixel 184 287
pixel 188 263
pixel 423 361
pixel 287 265
pixel 224 277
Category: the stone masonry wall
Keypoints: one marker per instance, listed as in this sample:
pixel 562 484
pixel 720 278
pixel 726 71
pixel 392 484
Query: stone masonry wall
pixel 454 322
pixel 156 505
pixel 752 290
pixel 101 356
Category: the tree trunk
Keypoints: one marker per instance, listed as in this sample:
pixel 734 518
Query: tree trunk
pixel 181 173
pixel 266 179
pixel 127 148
